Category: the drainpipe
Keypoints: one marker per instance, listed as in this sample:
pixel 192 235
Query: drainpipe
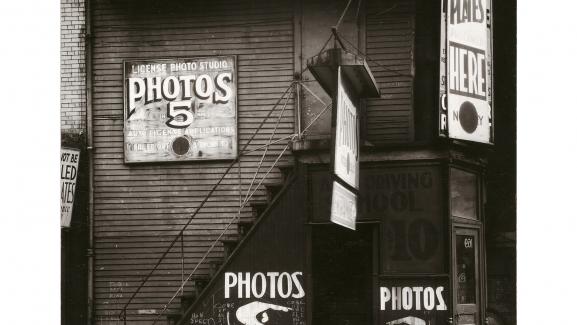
pixel 89 251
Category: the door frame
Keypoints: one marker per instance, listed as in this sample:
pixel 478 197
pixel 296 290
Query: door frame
pixel 461 226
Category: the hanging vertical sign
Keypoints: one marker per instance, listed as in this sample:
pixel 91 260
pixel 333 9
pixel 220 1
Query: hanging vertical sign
pixel 343 206
pixel 346 137
pixel 180 109
pixel 469 77
pixel 345 155
pixel 443 123
pixel 68 175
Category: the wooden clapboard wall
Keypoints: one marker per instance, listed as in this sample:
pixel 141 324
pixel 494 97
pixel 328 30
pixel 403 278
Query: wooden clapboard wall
pixel 138 209
pixel 390 47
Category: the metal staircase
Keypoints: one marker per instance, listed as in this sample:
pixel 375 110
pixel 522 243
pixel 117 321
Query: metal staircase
pixel 230 240
pixel 230 243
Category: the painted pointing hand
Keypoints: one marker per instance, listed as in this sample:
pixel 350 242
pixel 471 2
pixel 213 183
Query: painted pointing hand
pixel 247 314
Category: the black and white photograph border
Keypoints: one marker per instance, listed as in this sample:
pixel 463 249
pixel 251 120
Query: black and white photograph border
pixel 34 247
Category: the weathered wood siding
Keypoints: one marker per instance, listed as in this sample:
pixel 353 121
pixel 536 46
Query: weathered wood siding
pixel 390 48
pixel 384 31
pixel 138 209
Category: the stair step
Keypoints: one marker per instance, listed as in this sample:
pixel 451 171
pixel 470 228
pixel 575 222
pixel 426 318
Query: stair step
pixel 244 227
pixel 229 245
pixel 172 319
pixel 272 189
pixel 200 284
pixel 186 301
pixel 258 208
pixel 286 168
pixel 213 268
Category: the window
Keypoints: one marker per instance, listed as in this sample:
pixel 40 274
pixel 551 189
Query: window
pixel 463 194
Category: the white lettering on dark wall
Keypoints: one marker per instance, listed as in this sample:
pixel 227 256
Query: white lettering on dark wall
pixel 412 298
pixel 260 284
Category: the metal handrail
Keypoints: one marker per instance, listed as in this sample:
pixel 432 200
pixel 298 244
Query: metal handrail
pixel 249 193
pixel 243 152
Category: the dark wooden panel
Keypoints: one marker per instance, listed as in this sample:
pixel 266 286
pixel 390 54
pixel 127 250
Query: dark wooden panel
pixel 283 230
pixel 389 45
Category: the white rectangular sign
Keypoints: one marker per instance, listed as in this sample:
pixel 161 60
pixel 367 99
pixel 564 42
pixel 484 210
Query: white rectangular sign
pixel 180 109
pixel 68 175
pixel 346 147
pixel 343 206
pixel 469 70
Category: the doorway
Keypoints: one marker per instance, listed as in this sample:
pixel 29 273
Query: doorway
pixel 466 276
pixel 342 265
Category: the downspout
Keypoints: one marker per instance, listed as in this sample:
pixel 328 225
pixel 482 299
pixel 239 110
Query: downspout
pixel 89 149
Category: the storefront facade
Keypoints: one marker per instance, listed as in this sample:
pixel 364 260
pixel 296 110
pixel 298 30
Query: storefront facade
pixel 222 214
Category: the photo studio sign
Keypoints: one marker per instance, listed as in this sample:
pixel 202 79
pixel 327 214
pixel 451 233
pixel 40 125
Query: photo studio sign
pixel 466 110
pixel 180 109
pixel 413 301
pixel 253 298
pixel 345 155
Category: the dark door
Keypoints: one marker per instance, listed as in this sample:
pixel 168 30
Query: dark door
pixel 342 275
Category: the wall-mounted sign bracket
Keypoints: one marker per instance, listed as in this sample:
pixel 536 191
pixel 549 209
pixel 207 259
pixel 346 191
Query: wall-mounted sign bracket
pixel 347 78
pixel 355 68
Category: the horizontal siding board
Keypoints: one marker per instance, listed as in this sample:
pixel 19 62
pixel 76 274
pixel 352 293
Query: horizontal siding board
pixel 225 41
pixel 222 32
pixel 144 179
pixel 182 50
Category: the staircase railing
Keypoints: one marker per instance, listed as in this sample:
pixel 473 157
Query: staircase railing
pixel 243 152
pixel 249 194
pixel 232 220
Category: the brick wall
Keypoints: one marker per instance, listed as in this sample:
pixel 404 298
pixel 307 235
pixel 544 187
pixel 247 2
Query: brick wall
pixel 74 240
pixel 72 67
